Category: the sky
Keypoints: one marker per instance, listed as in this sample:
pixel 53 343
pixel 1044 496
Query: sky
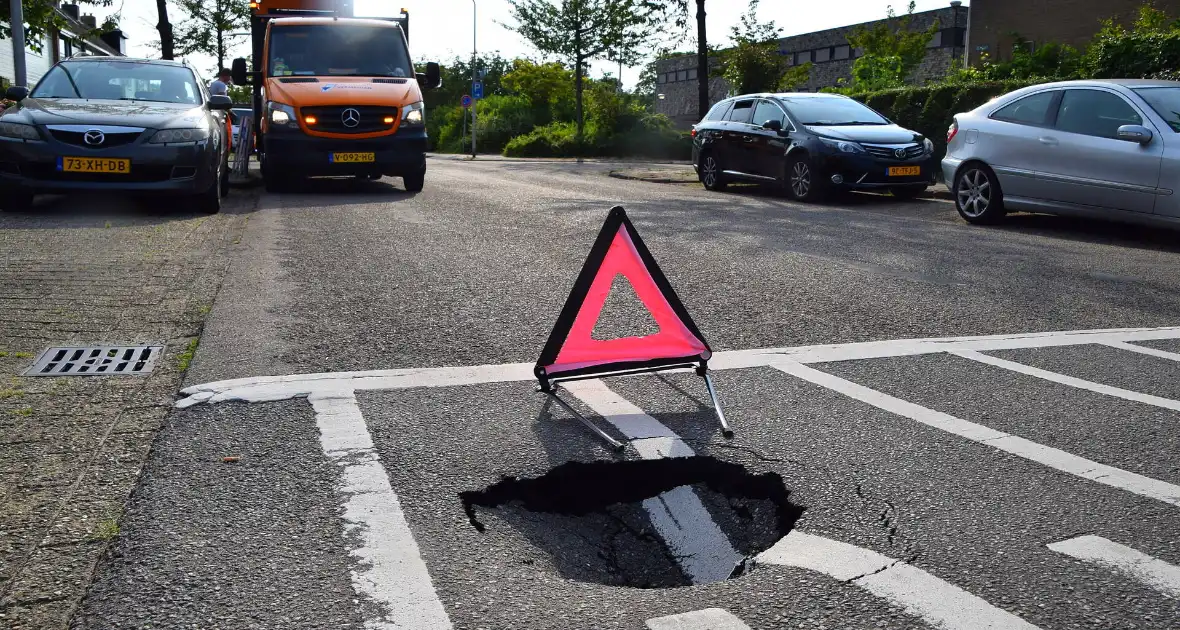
pixel 441 29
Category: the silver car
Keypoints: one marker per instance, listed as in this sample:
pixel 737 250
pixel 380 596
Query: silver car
pixel 1103 148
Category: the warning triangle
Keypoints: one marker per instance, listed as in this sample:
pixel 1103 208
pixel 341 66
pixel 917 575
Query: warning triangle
pixel 573 351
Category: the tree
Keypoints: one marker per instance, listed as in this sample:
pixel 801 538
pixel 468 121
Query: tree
pixel 753 63
pixel 207 24
pixel 42 18
pixel 891 51
pixel 164 27
pixel 579 31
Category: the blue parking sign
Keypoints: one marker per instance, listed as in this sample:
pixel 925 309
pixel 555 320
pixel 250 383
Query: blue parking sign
pixel 477 90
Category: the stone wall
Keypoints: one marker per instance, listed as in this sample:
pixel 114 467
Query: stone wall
pixel 831 58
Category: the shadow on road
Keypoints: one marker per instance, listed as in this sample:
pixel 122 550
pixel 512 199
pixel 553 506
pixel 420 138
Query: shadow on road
pixel 102 210
pixel 345 191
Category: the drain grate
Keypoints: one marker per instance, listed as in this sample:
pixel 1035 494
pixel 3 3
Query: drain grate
pixel 95 361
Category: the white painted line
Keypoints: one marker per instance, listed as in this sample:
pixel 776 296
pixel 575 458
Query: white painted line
pixel 707 619
pixel 1109 390
pixel 704 551
pixel 390 571
pixel 1051 457
pixel 1153 572
pixel 271 388
pixel 1154 352
pixel 939 603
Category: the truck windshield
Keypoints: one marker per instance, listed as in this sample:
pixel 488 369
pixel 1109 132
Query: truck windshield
pixel 338 50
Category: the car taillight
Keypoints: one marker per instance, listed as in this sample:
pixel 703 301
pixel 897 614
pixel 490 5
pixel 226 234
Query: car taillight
pixel 694 132
pixel 950 133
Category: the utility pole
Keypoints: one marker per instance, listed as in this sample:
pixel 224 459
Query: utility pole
pixel 702 63
pixel 474 73
pixel 17 23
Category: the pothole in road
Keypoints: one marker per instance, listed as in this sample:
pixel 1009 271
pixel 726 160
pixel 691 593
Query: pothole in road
pixel 661 523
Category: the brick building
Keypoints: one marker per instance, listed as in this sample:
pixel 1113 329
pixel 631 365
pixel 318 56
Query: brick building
pixel 830 55
pixel 1073 22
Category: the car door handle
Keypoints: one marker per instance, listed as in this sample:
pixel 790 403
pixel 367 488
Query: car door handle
pixel 1048 141
pixel 751 139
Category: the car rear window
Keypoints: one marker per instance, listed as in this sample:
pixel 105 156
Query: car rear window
pixel 718 112
pixel 1030 110
pixel 741 112
pixel 1165 101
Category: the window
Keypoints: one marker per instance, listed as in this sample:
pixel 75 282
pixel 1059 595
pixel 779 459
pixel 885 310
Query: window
pixel 842 52
pixel 119 80
pixel 936 41
pixel 1095 113
pixel 823 54
pixel 831 110
pixel 682 75
pixel 1024 46
pixel 741 112
pixel 718 111
pixel 692 74
pixel 1030 110
pixel 662 78
pixel 1165 101
pixel 336 50
pixel 767 110
pixel 802 57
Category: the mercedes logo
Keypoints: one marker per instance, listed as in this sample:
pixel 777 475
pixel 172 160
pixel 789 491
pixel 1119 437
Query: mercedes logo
pixel 350 117
pixel 94 137
pixel 900 153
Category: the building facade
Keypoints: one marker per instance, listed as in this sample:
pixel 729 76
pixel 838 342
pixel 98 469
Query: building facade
pixel 996 23
pixel 829 53
pixel 62 44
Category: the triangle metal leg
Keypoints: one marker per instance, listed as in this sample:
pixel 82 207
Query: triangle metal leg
pixel 725 430
pixel 615 445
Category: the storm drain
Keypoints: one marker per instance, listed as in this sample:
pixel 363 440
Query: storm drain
pixel 604 522
pixel 95 361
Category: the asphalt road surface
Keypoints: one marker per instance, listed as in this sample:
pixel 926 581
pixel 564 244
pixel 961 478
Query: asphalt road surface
pixel 1017 470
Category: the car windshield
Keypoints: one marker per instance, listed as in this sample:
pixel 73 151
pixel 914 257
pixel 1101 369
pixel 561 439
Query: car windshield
pixel 832 111
pixel 335 50
pixel 120 80
pixel 1165 101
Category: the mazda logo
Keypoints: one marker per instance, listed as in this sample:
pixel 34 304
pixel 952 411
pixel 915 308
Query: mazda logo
pixel 899 152
pixel 350 117
pixel 94 137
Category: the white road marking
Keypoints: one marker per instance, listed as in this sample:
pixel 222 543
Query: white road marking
pixel 939 603
pixel 271 388
pixel 707 619
pixel 702 549
pixel 389 570
pixel 1109 390
pixel 1051 457
pixel 1153 572
pixel 1154 352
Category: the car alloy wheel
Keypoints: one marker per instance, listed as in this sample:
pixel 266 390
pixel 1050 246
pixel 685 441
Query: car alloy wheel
pixel 974 193
pixel 800 179
pixel 710 172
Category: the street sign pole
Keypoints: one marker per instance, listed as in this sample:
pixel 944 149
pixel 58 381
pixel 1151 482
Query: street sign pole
pixel 474 49
pixel 17 21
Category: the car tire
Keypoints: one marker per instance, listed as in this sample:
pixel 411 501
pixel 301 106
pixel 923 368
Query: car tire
pixel 415 182
pixel 977 194
pixel 710 173
pixel 225 171
pixel 16 200
pixel 801 181
pixel 907 192
pixel 209 202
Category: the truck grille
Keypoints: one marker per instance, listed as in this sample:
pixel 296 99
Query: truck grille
pixel 369 118
pixel 911 152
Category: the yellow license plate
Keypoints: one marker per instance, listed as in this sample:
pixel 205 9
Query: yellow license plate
pixel 93 165
pixel 354 157
pixel 904 171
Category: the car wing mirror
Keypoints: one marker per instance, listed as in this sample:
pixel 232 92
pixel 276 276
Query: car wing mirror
pixel 220 102
pixel 773 125
pixel 1134 133
pixel 16 93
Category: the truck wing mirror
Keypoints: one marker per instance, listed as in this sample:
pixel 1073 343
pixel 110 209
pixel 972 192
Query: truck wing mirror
pixel 240 76
pixel 432 79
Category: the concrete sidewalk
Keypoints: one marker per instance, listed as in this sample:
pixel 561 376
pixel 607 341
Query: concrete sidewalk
pixel 684 174
pixel 80 271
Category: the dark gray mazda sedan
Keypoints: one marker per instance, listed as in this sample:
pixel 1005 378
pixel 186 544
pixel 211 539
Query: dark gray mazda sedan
pixel 115 124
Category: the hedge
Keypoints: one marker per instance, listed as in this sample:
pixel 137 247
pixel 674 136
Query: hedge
pixel 929 110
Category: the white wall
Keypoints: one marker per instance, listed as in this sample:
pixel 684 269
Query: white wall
pixel 35 64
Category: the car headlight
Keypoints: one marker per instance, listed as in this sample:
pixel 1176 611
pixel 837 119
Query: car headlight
pixel 279 114
pixel 414 114
pixel 929 145
pixel 19 131
pixel 178 136
pixel 842 146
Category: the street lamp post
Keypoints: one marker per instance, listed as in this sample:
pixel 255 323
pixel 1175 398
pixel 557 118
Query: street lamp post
pixel 474 101
pixel 17 20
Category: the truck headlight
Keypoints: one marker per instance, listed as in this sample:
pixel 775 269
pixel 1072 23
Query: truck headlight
pixel 279 113
pixel 179 136
pixel 19 131
pixel 414 115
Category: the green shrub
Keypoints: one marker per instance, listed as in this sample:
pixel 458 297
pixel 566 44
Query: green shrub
pixel 553 140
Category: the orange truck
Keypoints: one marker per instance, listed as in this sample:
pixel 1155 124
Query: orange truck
pixel 335 95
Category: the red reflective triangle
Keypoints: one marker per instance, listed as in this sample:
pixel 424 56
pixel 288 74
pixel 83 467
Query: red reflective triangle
pixel 571 350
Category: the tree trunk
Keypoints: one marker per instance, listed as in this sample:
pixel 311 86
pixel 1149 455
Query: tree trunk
pixel 220 48
pixel 578 99
pixel 165 29
pixel 702 63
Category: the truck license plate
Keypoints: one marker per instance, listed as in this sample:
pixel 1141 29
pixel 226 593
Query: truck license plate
pixel 353 157
pixel 904 171
pixel 93 165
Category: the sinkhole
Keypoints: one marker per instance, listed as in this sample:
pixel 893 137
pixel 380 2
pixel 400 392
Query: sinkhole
pixel 662 523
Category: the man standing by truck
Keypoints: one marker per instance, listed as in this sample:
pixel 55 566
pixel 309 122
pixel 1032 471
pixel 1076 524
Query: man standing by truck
pixel 220 85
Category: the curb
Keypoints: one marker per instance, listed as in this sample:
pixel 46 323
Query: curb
pixel 938 191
